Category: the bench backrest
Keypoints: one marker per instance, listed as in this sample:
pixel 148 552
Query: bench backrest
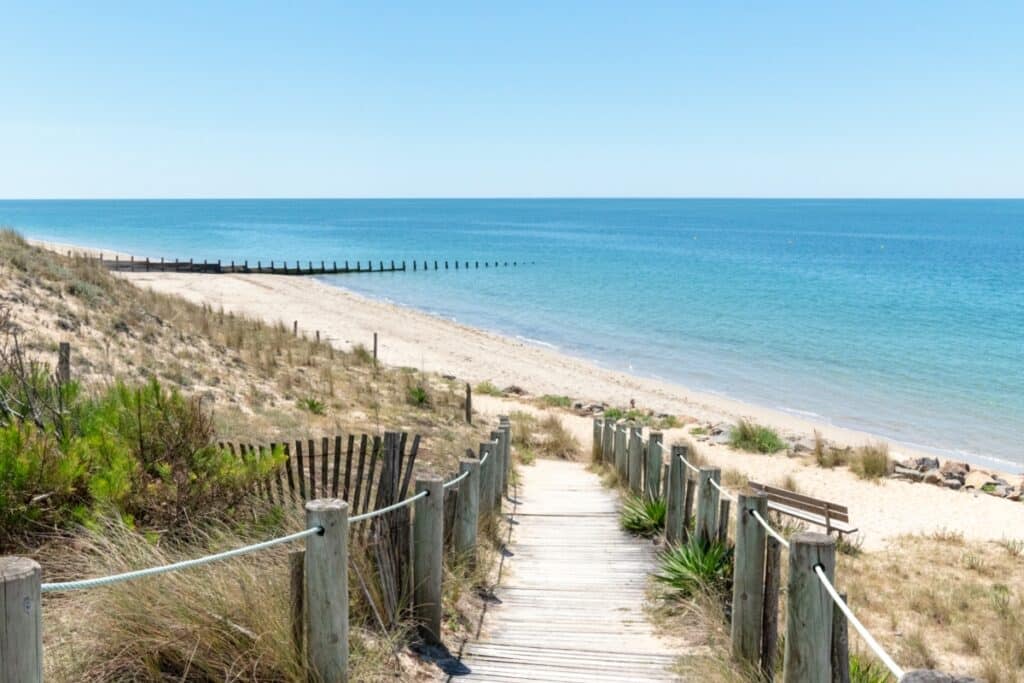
pixel 828 510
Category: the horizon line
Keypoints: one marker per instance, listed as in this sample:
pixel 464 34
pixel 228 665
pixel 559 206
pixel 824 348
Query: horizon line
pixel 518 197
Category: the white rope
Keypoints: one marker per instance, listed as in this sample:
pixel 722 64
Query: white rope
pixel 868 638
pixel 185 564
pixel 484 459
pixel 722 491
pixel 456 480
pixel 685 462
pixel 770 530
pixel 389 508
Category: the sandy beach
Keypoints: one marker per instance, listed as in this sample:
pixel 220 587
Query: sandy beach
pixel 410 338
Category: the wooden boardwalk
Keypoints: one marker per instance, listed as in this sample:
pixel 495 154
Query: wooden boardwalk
pixel 572 592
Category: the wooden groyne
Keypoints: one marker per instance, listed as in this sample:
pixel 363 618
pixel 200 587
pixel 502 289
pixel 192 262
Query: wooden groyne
pixel 134 265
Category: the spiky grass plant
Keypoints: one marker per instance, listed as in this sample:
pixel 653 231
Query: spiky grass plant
pixel 643 516
pixel 694 567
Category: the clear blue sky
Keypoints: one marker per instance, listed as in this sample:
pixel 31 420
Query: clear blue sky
pixel 341 99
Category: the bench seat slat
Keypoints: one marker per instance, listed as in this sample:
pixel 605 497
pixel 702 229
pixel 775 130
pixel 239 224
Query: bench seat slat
pixel 812 517
pixel 795 497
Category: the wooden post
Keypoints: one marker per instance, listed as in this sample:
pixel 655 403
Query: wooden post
pixel 621 459
pixel 808 647
pixel 498 455
pixel 636 453
pixel 652 483
pixel 505 426
pixel 375 348
pixel 770 616
pixel 469 404
pixel 327 589
pixel 748 578
pixel 689 493
pixel 707 504
pixel 676 493
pixel 295 328
pixel 487 459
pixel 722 536
pixel 21 623
pixel 467 511
pixel 318 336
pixel 608 441
pixel 64 363
pixel 840 646
pixel 297 591
pixel 428 548
pixel 595 444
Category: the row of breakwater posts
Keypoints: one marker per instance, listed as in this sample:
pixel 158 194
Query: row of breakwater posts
pixel 134 265
pixel 444 518
pixel 698 508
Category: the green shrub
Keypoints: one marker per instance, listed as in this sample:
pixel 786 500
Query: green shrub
pixel 313 405
pixel 554 401
pixel 862 671
pixel 417 395
pixel 613 414
pixel 755 438
pixel 362 355
pixel 699 431
pixel 486 388
pixel 695 567
pixel 643 516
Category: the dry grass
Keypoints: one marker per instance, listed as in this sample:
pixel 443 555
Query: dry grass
pixel 545 437
pixel 871 461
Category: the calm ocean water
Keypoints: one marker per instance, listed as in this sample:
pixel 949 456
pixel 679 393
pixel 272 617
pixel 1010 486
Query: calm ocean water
pixel 902 318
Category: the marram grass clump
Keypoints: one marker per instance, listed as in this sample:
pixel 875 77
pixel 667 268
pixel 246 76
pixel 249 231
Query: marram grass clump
pixel 695 567
pixel 643 516
pixel 755 438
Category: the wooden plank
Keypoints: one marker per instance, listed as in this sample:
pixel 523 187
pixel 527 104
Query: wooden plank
pixel 808 645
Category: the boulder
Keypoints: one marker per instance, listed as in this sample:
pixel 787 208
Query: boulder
pixel 932 477
pixel 924 464
pixel 907 473
pixel 1016 494
pixel 953 483
pixel 978 479
pixel 804 445
pixel 954 469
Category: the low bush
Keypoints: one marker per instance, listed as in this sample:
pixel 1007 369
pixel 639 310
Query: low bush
pixel 871 461
pixel 755 438
pixel 695 567
pixel 313 405
pixel 486 388
pixel 417 395
pixel 554 401
pixel 643 516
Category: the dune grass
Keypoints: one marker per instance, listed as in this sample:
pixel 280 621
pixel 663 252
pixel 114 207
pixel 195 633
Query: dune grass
pixel 871 461
pixel 643 516
pixel 755 438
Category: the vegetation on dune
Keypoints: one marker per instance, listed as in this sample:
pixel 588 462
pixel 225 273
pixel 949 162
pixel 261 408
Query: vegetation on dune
pixel 871 461
pixel 643 516
pixel 695 567
pixel 545 436
pixel 486 388
pixel 553 401
pixel 755 438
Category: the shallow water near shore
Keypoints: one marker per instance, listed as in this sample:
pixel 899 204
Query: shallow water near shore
pixel 903 318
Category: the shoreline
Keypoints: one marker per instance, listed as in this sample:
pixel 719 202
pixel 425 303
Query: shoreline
pixel 658 394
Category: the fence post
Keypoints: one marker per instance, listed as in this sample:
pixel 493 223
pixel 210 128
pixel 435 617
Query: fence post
pixel 297 593
pixel 809 610
pixel 676 492
pixel 428 548
pixel 652 484
pixel 707 504
pixel 607 441
pixel 505 426
pixel 469 404
pixel 595 445
pixel 690 486
pixel 327 589
pixel 621 460
pixel 467 511
pixel 636 454
pixel 770 618
pixel 722 535
pixel 21 630
pixel 840 646
pixel 486 479
pixel 498 471
pixel 64 363
pixel 748 578
pixel 375 349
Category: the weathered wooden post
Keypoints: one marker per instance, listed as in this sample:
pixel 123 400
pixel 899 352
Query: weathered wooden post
pixel 770 618
pixel 428 548
pixel 840 646
pixel 607 442
pixel 64 363
pixel 689 494
pixel 486 478
pixel 375 348
pixel 498 455
pixel 808 647
pixel 652 484
pixel 676 492
pixel 21 623
pixel 469 404
pixel 467 511
pixel 748 578
pixel 505 426
pixel 297 595
pixel 295 328
pixel 327 589
pixel 722 535
pixel 595 444
pixel 636 453
pixel 707 504
pixel 621 459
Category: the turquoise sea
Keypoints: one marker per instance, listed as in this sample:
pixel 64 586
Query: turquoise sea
pixel 899 317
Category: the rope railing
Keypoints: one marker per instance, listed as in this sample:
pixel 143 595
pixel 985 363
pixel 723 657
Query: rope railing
pixel 389 508
pixel 722 491
pixel 456 480
pixel 184 564
pixel 864 633
pixel 687 463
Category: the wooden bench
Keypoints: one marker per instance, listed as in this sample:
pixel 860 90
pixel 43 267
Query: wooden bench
pixel 814 510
